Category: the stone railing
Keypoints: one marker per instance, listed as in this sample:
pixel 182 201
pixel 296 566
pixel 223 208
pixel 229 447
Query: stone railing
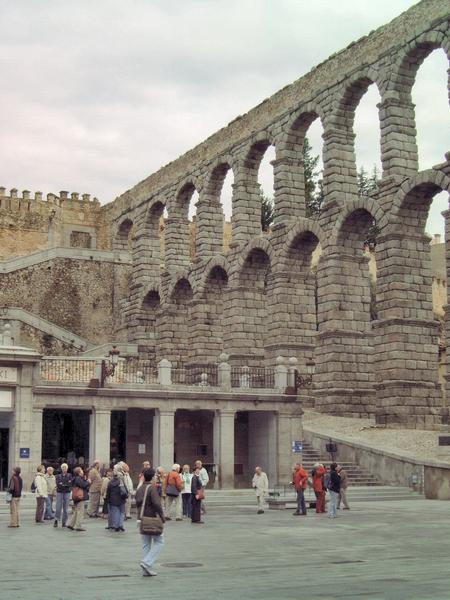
pixel 222 375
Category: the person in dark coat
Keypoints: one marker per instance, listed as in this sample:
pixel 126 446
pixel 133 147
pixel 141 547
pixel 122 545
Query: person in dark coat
pixel 79 481
pixel 196 502
pixel 151 544
pixel 15 489
pixel 116 497
pixel 334 487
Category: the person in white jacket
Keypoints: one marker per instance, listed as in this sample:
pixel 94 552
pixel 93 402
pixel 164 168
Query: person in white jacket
pixel 130 489
pixel 204 478
pixel 40 485
pixel 260 483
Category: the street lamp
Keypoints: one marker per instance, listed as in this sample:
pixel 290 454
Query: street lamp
pixel 109 366
pixel 304 380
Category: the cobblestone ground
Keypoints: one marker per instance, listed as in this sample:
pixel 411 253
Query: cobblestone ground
pixel 382 550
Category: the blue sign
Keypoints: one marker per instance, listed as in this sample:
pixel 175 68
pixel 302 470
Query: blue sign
pixel 24 453
pixel 297 447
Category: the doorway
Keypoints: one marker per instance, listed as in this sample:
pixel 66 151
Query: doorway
pixel 4 457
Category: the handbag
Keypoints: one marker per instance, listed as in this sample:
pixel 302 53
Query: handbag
pixel 77 494
pixel 172 490
pixel 8 497
pixel 200 495
pixel 150 525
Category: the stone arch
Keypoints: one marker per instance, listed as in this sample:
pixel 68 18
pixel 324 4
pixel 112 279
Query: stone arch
pixel 124 235
pixel 411 204
pixel 183 196
pixel 403 75
pixel 214 262
pixel 353 89
pixel 181 275
pixel 354 209
pixel 303 226
pixel 261 244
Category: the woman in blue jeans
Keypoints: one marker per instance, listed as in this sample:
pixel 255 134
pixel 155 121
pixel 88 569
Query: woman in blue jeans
pixel 116 497
pixel 151 544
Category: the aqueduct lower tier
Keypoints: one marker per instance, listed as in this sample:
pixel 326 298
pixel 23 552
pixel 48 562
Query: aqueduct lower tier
pixel 261 299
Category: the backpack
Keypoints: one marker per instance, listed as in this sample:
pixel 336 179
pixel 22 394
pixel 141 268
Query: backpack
pixel 33 486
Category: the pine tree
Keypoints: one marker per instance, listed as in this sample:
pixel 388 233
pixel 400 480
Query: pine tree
pixel 267 211
pixel 313 183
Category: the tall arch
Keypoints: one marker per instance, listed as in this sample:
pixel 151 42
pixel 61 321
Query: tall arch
pixel 178 232
pixel 123 240
pixel 149 317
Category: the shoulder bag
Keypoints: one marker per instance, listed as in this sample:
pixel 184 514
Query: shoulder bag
pixel 150 525
pixel 8 497
pixel 77 494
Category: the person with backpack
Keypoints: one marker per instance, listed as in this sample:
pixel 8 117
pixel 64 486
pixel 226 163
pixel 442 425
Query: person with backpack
pixel 80 486
pixel 116 497
pixel 15 489
pixel 63 489
pixel 334 487
pixel 174 487
pixel 318 473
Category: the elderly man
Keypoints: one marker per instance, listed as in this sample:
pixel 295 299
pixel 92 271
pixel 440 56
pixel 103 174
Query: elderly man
pixel 63 491
pixel 261 485
pixel 94 490
pixel 204 478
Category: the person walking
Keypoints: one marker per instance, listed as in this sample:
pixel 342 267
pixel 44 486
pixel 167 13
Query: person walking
pixel 260 483
pixel 94 490
pixel 334 488
pixel 174 487
pixel 319 490
pixel 148 504
pixel 63 489
pixel 15 489
pixel 197 495
pixel 130 489
pixel 80 486
pixel 186 476
pixel 343 489
pixel 51 493
pixel 300 483
pixel 40 485
pixel 116 496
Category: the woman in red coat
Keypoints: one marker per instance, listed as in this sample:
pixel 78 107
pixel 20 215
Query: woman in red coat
pixel 317 473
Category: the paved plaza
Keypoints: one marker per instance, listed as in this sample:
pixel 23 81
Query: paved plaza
pixel 379 550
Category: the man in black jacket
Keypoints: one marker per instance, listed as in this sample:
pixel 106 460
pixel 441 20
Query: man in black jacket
pixel 334 487
pixel 63 489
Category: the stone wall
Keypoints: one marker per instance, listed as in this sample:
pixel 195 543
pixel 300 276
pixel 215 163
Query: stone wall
pixel 82 296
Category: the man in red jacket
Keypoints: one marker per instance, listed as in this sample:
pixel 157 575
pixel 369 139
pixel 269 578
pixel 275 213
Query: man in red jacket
pixel 300 483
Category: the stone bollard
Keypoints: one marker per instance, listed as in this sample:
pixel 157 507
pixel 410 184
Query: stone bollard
pixel 165 372
pixel 224 372
pixel 281 374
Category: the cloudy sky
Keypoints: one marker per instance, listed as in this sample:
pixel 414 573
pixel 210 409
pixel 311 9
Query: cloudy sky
pixel 98 95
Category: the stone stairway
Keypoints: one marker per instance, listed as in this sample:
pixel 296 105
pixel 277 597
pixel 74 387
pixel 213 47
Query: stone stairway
pixel 356 476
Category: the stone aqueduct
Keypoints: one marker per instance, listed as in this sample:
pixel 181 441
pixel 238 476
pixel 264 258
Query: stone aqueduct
pixel 261 299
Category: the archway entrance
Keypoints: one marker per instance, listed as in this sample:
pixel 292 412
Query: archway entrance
pixel 65 436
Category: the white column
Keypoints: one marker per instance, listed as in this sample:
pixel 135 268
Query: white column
pixel 224 447
pixel 163 438
pixel 289 429
pixel 100 436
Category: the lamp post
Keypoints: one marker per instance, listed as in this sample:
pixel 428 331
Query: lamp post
pixel 304 380
pixel 109 366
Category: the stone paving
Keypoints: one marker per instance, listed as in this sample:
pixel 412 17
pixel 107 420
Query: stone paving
pixel 378 550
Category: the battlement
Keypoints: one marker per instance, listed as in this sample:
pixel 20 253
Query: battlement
pixel 69 199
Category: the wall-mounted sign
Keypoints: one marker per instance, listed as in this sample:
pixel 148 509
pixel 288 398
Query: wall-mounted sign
pixel 297 447
pixel 6 398
pixel 141 448
pixel 8 374
pixel 24 453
